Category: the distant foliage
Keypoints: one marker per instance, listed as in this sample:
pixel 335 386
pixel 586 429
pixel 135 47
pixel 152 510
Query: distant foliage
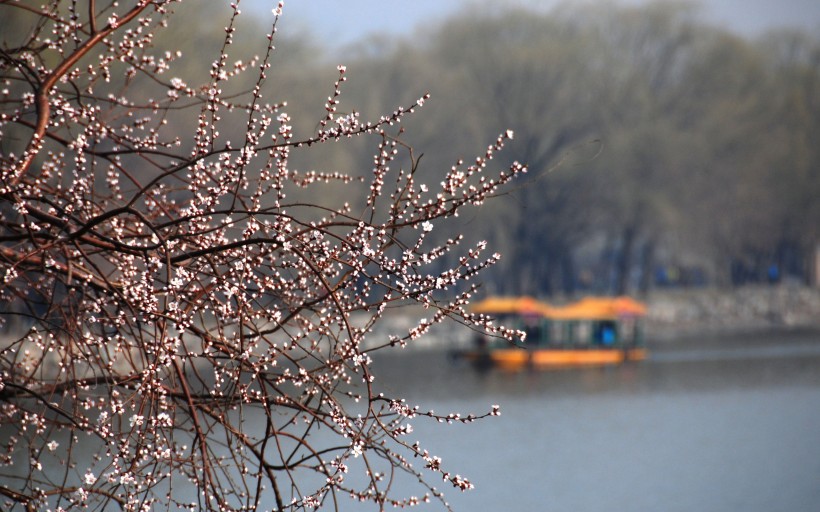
pixel 180 332
pixel 688 152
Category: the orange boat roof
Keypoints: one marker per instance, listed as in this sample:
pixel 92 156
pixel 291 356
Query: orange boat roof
pixel 599 308
pixel 511 306
pixel 589 308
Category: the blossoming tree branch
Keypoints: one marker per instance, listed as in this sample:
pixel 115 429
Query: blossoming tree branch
pixel 192 334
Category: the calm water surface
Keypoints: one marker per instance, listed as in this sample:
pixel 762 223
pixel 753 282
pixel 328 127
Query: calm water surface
pixel 709 425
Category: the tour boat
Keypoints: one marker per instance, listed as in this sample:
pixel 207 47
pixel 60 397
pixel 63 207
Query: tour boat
pixel 594 331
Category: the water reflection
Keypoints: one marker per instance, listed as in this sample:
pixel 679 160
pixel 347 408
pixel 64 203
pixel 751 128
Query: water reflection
pixel 709 365
pixel 708 425
pixel 711 425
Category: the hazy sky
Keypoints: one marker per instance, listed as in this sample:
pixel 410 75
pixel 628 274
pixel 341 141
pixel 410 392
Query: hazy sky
pixel 344 21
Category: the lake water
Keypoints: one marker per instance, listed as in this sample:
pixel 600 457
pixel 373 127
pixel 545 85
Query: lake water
pixel 730 424
pixel 708 425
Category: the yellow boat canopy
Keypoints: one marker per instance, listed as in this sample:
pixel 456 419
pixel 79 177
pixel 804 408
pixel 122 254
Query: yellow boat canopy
pixel 589 308
pixel 599 308
pixel 511 306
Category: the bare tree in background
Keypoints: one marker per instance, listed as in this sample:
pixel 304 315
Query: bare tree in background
pixel 193 332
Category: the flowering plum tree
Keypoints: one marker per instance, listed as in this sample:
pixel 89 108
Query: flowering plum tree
pixel 192 336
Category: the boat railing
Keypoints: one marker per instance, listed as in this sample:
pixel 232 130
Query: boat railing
pixel 575 334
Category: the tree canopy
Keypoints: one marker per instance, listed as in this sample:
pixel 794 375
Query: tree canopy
pixel 654 140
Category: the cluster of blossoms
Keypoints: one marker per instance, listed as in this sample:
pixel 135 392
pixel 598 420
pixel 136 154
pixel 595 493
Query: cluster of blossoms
pixel 186 322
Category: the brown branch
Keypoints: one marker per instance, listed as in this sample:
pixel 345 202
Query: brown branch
pixel 41 99
pixel 198 431
pixel 35 262
pixel 92 17
pixel 43 400
pixel 19 497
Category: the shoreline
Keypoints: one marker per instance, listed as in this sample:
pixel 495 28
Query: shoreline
pixel 681 315
pixel 674 316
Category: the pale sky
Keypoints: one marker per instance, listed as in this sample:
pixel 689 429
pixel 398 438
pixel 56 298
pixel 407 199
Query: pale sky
pixel 339 22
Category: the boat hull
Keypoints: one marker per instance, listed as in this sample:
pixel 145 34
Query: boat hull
pixel 517 358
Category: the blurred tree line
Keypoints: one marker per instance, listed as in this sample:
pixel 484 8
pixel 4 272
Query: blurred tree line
pixel 662 150
pixel 684 152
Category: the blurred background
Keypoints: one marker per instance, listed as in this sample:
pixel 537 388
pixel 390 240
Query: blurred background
pixel 670 144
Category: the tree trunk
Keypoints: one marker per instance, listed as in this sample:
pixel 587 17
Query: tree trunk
pixel 624 262
pixel 647 262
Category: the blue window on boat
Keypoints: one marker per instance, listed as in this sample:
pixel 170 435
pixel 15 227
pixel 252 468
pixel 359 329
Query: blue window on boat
pixel 606 333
